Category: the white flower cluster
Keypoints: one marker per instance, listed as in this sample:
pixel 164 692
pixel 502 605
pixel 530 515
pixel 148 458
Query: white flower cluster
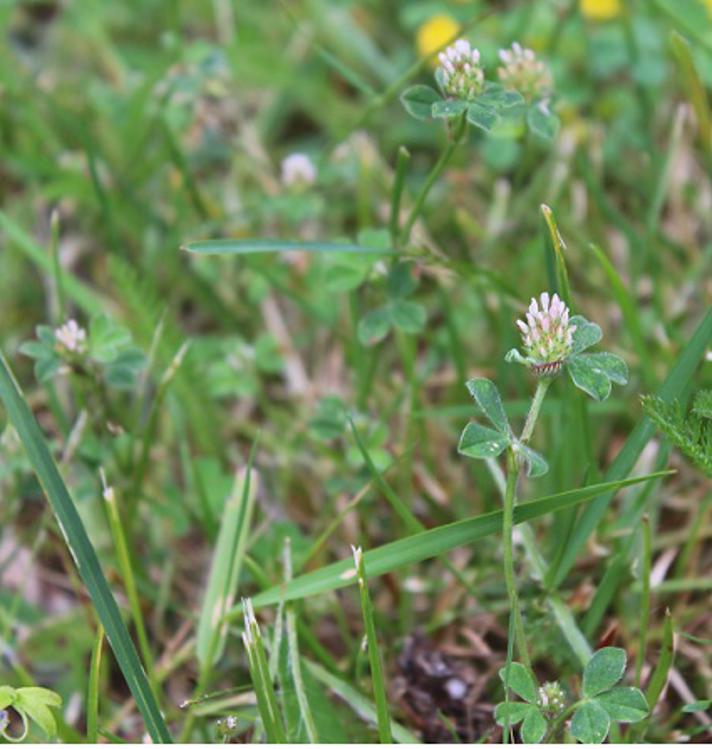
pixel 551 698
pixel 71 337
pixel 298 170
pixel 547 334
pixel 523 72
pixel 460 73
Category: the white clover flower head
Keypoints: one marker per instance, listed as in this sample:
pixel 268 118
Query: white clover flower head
pixel 460 72
pixel 231 722
pixel 71 338
pixel 551 698
pixel 523 72
pixel 298 170
pixel 547 334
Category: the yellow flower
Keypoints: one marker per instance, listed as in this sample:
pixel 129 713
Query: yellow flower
pixel 708 3
pixel 434 33
pixel 600 10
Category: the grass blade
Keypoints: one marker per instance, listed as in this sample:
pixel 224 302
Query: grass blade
pixel 295 663
pixel 262 679
pixel 672 388
pixel 252 246
pixel 646 563
pixel 225 568
pixel 383 717
pixel 93 688
pixel 83 552
pixel 428 544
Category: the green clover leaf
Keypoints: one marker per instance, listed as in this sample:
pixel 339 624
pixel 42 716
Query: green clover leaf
pixel 603 671
pixel 590 723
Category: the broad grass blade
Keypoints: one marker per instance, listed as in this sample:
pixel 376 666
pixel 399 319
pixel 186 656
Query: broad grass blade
pixel 225 568
pixel 83 552
pixel 428 544
pixel 252 246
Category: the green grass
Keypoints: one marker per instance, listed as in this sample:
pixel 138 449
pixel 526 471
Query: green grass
pixel 283 366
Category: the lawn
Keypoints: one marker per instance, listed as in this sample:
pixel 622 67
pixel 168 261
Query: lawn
pixel 355 371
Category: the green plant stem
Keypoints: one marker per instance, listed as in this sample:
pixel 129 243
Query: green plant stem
pixel 510 499
pixel 534 409
pixel 557 723
pixel 435 172
pixel 507 546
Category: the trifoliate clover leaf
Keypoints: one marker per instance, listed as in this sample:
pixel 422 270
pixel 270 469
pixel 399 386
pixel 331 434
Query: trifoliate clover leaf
pixel 477 441
pixel 534 727
pixel 624 704
pixel 520 681
pixel 447 109
pixel 603 671
pixel 542 121
pixel 512 712
pixel 590 723
pixel 585 335
pixel 595 373
pixel 418 101
pixel 488 399
pixel 536 463
pixel 482 116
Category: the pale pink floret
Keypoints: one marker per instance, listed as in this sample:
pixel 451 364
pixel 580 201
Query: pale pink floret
pixel 547 334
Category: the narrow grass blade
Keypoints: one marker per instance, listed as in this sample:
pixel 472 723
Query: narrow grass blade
pixel 225 568
pixel 93 688
pixel 673 387
pixel 83 552
pixel 383 716
pixel 124 561
pixel 646 563
pixel 252 246
pixel 559 247
pixel 430 543
pixel 356 701
pixel 659 677
pixel 262 679
pixel 81 294
pixel 295 663
pixel 662 669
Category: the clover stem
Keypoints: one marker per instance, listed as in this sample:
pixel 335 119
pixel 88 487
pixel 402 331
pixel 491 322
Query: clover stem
pixel 556 725
pixel 507 547
pixel 533 415
pixel 435 172
pixel 510 500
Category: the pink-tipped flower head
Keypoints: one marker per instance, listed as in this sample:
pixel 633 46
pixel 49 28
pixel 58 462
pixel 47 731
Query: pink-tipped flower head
pixel 547 334
pixel 460 73
pixel 523 72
